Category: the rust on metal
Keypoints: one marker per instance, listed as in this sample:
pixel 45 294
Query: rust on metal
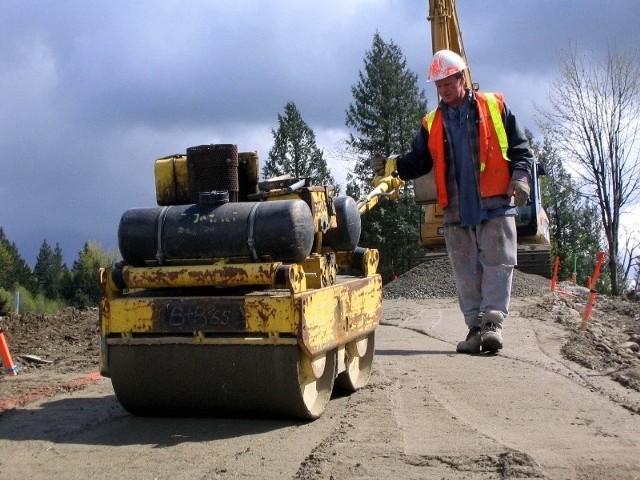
pixel 338 314
pixel 219 274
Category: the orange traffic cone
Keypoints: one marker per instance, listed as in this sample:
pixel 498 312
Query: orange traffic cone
pixel 9 367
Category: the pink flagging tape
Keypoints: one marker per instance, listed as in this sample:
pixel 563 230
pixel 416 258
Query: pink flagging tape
pixel 49 390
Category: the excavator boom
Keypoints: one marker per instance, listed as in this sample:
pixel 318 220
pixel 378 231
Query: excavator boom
pixel 446 33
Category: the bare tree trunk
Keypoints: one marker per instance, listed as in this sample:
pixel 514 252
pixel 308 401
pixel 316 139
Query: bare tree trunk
pixel 593 123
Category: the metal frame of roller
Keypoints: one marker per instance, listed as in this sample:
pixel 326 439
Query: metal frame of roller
pixel 236 307
pixel 173 344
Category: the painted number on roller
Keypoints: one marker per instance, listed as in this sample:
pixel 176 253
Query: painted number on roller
pixel 204 316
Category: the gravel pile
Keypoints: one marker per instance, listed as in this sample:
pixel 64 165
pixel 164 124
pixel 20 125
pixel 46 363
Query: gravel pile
pixel 433 279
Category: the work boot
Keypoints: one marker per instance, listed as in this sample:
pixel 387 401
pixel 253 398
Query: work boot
pixel 472 343
pixel 491 337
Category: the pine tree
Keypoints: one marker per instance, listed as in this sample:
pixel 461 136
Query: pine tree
pixel 49 270
pixel 80 286
pixel 385 116
pixel 14 270
pixel 387 107
pixel 6 262
pixel 43 269
pixel 295 152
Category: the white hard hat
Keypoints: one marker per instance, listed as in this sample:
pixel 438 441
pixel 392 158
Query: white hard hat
pixel 444 64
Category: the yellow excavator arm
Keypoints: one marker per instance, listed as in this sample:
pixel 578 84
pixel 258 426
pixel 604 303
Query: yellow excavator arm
pixel 446 33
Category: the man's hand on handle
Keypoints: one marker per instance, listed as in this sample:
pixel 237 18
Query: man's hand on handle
pixel 383 166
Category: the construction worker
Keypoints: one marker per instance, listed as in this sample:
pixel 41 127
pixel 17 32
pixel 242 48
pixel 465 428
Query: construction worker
pixel 481 161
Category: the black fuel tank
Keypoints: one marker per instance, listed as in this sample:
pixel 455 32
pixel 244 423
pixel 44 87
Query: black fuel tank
pixel 347 234
pixel 281 229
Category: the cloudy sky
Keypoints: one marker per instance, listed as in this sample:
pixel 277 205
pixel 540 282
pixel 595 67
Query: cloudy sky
pixel 93 91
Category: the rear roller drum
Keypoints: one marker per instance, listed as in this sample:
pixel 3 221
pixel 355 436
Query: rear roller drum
pixel 358 361
pixel 316 378
pixel 216 380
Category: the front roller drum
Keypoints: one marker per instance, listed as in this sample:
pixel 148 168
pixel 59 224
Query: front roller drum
pixel 358 360
pixel 219 380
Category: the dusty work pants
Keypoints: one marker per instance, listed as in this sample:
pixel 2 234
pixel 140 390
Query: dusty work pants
pixel 482 258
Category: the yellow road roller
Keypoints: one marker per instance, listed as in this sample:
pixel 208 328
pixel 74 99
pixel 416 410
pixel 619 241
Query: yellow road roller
pixel 239 297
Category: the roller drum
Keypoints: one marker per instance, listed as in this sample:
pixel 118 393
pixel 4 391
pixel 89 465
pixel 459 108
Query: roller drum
pixel 217 380
pixel 282 230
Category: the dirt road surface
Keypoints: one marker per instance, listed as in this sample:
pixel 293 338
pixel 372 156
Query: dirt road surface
pixel 428 413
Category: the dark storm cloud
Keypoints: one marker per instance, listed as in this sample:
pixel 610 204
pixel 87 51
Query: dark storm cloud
pixel 93 91
pixel 163 63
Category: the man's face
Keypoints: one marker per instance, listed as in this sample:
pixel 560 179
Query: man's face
pixel 451 90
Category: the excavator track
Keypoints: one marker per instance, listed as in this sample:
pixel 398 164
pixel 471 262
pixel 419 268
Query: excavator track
pixel 535 261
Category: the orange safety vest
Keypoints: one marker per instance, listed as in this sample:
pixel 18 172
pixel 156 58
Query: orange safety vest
pixel 492 157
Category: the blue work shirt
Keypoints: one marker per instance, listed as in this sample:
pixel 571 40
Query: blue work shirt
pixel 457 122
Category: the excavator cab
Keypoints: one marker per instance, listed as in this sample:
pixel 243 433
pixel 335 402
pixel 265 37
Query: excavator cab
pixel 532 224
pixel 527 218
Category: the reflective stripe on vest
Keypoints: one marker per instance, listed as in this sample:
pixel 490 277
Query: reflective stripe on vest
pixel 496 119
pixel 430 117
